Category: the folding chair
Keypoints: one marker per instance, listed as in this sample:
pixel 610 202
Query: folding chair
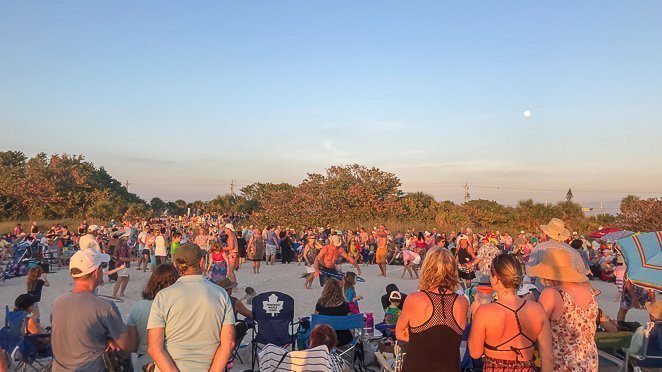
pixel 273 314
pixel 21 350
pixel 278 359
pixel 342 323
pixel 651 357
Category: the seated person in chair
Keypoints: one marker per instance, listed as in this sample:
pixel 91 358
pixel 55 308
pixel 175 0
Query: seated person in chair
pixel 323 334
pixel 25 302
pixel 651 329
pixel 332 302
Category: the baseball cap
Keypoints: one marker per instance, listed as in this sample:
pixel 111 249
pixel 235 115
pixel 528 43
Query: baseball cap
pixel 87 260
pixel 229 226
pixel 190 253
pixel 93 228
pixel 395 296
pixel 24 301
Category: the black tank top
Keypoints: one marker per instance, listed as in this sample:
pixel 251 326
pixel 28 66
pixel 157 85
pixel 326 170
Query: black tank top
pixel 435 344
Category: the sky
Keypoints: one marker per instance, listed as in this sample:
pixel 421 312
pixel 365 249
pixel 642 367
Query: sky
pixel 180 98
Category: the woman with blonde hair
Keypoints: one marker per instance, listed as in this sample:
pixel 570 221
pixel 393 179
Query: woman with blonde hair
pixel 36 281
pixel 570 305
pixel 332 302
pixel 434 316
pixel 506 330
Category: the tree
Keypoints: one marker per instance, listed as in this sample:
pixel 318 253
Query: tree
pixel 569 196
pixel 158 206
pixel 641 215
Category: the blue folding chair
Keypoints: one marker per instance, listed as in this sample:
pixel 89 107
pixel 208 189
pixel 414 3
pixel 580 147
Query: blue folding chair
pixel 345 323
pixel 21 348
pixel 273 314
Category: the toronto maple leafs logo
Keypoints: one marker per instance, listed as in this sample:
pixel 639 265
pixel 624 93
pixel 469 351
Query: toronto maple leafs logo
pixel 273 306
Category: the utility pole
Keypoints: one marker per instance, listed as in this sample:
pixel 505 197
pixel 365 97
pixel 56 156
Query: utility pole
pixel 602 208
pixel 126 184
pixel 232 188
pixel 467 196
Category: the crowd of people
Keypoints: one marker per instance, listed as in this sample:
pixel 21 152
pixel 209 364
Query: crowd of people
pixel 520 302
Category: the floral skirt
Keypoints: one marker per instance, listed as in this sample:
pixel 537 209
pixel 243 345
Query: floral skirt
pixel 219 270
pixel 501 365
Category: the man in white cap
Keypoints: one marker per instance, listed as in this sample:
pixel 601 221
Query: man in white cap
pixel 85 325
pixel 89 240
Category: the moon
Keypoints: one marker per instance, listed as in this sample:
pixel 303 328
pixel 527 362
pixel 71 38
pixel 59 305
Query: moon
pixel 527 114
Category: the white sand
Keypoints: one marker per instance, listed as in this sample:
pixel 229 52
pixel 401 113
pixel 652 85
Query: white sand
pixel 284 278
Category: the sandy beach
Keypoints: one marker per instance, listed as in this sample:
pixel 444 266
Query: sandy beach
pixel 280 277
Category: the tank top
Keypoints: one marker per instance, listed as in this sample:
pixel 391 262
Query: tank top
pixel 217 257
pixel 435 344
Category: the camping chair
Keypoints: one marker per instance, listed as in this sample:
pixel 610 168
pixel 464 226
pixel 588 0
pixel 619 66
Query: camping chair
pixel 651 356
pixel 273 358
pixel 21 348
pixel 273 314
pixel 342 323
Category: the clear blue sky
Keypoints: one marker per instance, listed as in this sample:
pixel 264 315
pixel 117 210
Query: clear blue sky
pixel 181 97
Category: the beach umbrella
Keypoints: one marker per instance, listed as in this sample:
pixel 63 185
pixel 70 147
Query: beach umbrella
pixel 598 234
pixel 614 236
pixel 643 256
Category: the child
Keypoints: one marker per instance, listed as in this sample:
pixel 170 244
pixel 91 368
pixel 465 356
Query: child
pixel 249 295
pixel 176 242
pixel 619 275
pixel 391 315
pixel 350 294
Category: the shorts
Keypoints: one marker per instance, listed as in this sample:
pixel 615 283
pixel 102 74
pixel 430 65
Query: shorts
pixel 270 250
pixel 146 252
pixel 626 299
pixel 123 272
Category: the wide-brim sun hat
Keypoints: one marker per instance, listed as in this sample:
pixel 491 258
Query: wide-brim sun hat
pixel 557 265
pixel 335 240
pixel 556 230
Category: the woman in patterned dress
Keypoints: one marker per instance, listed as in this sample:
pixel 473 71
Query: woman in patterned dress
pixel 571 307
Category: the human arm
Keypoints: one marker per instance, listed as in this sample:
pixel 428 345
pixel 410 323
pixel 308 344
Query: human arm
pixel 549 298
pixel 350 260
pixel 155 339
pixel 476 342
pixel 243 310
pixel 224 350
pixel 545 347
pixel 133 338
pixel 402 326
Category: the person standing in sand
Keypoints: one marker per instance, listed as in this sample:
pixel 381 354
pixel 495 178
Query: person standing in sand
pixel 233 251
pixel 327 257
pixel 380 255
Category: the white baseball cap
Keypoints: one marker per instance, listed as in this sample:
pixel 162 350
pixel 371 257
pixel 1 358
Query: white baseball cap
pixel 87 260
pixel 93 228
pixel 229 226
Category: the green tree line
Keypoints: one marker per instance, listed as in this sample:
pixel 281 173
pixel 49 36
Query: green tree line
pixel 66 186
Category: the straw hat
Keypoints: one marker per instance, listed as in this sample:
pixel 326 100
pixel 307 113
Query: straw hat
pixel 335 240
pixel 557 265
pixel 655 309
pixel 556 230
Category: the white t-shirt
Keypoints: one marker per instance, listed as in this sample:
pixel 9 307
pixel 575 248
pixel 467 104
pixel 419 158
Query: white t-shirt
pixel 160 246
pixel 88 241
pixel 141 238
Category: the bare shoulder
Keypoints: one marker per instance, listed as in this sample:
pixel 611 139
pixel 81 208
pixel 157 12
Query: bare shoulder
pixel 462 301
